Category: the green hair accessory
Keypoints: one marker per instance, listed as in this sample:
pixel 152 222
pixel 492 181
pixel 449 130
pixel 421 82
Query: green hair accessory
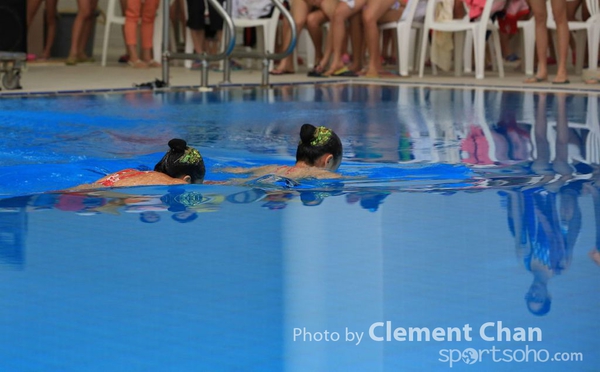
pixel 190 156
pixel 321 136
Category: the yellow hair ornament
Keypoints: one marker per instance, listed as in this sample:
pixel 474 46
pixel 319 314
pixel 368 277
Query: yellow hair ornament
pixel 321 136
pixel 191 156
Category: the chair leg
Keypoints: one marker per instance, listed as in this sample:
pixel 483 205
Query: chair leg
pixel 105 41
pixel 404 52
pixel 479 44
pixel 413 42
pixel 424 45
pixel 468 52
pixel 310 50
pixel 529 46
pixel 157 38
pixel 498 53
pixel 270 41
pixel 580 42
pixel 459 51
pixel 417 50
pixel 593 46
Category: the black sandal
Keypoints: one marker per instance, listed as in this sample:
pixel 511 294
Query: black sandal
pixel 317 71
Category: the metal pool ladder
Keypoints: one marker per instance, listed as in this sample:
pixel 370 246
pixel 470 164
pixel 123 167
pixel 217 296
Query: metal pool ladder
pixel 228 51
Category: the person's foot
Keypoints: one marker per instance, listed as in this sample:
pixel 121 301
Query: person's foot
pixel 333 68
pixel 560 79
pixel 138 64
pixel 71 61
pixel 152 63
pixel 282 69
pixel 535 79
pixel 371 73
pixel 592 81
pixel 82 58
pixel 280 72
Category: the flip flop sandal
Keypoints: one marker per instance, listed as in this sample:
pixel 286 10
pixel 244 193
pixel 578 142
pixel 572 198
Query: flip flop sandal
pixel 344 72
pixel 152 63
pixel 278 72
pixel 535 79
pixel 139 64
pixel 316 72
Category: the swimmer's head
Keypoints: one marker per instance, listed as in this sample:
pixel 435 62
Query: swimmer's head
pixel 538 300
pixel 319 147
pixel 183 162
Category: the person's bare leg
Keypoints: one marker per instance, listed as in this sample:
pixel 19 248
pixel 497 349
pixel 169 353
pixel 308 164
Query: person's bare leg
pixel 51 14
pixel 374 10
pixel 85 37
pixel 572 7
pixel 85 11
pixel 299 11
pixel 32 8
pixel 338 30
pixel 198 39
pixel 314 25
pixel 328 10
pixel 538 8
pixel 559 10
pixel 357 40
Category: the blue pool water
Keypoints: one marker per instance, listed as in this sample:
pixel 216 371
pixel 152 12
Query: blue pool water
pixel 462 236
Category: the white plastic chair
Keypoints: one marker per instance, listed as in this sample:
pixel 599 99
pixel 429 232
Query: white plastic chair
pixel 268 26
pixel 461 26
pixel 111 18
pixel 407 29
pixel 114 18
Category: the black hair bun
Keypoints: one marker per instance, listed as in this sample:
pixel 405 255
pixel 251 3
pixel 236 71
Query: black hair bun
pixel 177 145
pixel 307 133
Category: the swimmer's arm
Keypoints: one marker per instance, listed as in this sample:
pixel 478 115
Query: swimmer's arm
pixel 87 186
pixel 323 174
pixel 265 169
pixel 236 170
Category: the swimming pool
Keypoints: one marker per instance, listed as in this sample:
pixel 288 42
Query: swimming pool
pixel 464 211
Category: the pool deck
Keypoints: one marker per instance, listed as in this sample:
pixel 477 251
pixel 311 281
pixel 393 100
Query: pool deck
pixel 55 77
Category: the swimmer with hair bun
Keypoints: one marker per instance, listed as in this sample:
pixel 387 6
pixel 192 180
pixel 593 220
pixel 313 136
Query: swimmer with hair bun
pixel 180 165
pixel 319 155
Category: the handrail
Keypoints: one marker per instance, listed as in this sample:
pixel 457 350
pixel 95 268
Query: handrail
pixel 266 55
pixel 204 58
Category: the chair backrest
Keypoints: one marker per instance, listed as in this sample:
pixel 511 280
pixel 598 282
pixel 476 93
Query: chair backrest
pixel 593 7
pixel 487 10
pixel 430 16
pixel 409 12
pixel 255 11
pixel 430 10
pixel 111 13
